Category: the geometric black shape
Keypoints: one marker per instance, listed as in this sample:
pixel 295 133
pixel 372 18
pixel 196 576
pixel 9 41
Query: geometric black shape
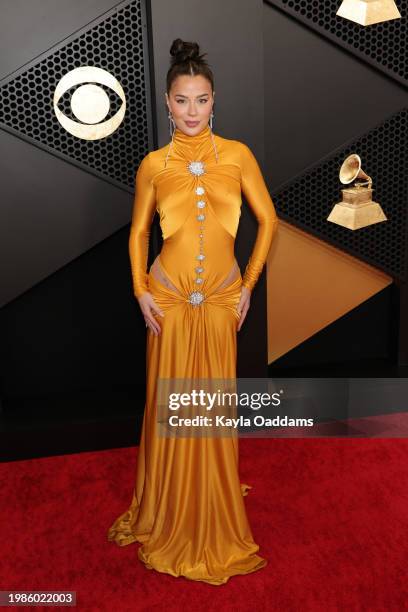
pixel 383 45
pixel 115 42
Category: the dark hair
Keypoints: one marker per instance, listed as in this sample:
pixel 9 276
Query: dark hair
pixel 186 59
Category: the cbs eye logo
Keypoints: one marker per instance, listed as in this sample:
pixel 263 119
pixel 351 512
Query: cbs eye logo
pixel 89 103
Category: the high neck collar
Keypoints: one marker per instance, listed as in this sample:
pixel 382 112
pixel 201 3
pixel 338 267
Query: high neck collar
pixel 182 138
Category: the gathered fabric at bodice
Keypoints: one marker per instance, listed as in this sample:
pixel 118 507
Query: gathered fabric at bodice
pixel 170 181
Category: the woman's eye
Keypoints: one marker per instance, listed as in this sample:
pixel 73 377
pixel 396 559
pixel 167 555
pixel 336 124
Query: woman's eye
pixel 182 101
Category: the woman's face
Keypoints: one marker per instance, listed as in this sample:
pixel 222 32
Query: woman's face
pixel 190 101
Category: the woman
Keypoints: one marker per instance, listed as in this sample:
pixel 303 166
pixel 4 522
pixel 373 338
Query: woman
pixel 187 508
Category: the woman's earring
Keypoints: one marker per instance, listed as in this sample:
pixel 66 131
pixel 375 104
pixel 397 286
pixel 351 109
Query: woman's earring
pixel 212 137
pixel 172 125
pixel 172 132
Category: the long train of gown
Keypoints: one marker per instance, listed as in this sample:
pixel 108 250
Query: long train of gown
pixel 187 508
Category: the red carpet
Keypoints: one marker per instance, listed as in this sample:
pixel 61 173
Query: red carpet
pixel 330 516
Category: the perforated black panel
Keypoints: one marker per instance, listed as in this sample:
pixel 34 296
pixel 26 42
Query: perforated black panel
pixel 308 200
pixel 382 44
pixel 114 43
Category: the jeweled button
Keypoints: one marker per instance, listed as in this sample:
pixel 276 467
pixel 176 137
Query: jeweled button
pixel 196 167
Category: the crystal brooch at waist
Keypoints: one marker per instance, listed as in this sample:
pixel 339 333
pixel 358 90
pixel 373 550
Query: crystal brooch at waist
pixel 195 298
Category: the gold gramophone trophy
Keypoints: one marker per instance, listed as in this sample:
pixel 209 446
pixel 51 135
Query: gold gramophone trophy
pixel 357 208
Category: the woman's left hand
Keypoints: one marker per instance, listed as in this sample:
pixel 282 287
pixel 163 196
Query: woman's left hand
pixel 243 305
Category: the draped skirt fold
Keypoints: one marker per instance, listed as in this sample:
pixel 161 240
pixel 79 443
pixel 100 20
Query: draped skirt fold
pixel 188 508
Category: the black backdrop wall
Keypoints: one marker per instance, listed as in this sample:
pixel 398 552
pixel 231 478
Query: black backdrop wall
pixel 300 95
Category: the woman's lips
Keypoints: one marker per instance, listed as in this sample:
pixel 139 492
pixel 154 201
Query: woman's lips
pixel 192 123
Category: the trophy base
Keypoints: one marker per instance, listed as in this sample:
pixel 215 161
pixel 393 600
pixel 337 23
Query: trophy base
pixel 356 216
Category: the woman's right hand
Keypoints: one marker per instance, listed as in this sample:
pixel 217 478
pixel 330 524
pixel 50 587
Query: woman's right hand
pixel 149 308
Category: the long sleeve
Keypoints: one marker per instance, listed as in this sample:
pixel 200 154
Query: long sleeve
pixel 143 211
pixel 258 198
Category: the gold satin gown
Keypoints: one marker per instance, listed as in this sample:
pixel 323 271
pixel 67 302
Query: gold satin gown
pixel 187 508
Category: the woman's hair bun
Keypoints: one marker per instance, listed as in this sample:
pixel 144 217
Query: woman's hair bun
pixel 183 51
pixel 187 60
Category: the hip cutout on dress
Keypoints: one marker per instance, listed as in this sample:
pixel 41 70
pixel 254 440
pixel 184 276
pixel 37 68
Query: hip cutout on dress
pixel 157 271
